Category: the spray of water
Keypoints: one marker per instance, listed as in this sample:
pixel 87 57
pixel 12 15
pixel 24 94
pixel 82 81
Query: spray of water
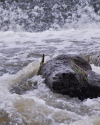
pixel 42 16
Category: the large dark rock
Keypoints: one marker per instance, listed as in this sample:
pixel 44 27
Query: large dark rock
pixel 71 75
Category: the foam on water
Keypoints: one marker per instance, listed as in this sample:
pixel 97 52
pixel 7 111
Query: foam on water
pixel 41 106
pixel 75 31
pixel 96 69
pixel 88 121
pixel 31 107
pixel 25 45
pixel 43 15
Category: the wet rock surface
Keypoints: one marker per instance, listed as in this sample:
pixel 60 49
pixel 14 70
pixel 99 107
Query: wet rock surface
pixel 92 58
pixel 71 75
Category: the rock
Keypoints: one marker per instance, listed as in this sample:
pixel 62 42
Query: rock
pixel 92 58
pixel 71 75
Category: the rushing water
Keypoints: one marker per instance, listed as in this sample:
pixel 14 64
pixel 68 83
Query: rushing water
pixel 30 29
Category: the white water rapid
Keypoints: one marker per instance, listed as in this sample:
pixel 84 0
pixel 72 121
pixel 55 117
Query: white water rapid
pixel 26 34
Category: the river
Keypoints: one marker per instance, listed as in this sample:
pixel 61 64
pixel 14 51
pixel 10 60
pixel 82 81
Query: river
pixel 27 31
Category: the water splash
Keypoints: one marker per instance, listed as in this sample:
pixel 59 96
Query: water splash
pixel 40 16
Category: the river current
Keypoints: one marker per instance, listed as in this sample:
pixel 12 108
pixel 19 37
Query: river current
pixel 29 30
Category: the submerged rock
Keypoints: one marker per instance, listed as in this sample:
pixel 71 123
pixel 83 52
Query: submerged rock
pixel 71 75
